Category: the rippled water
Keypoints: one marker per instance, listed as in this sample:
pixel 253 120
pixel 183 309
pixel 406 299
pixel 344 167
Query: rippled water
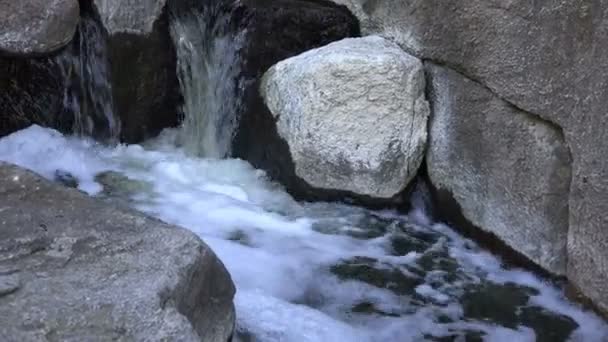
pixel 316 271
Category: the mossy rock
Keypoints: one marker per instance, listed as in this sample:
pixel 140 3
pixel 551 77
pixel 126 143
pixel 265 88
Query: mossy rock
pixel 117 185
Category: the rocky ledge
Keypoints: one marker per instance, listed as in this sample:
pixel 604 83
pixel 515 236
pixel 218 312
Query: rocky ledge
pixel 73 267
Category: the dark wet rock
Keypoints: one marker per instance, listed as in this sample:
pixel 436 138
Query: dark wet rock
pixel 117 185
pixel 142 62
pixel 240 237
pixel 496 303
pixel 89 270
pixel 108 83
pixel 548 326
pixel 438 261
pixel 369 308
pixel 467 336
pixel 404 244
pixel 31 92
pixel 66 179
pixel 144 82
pixel 368 270
pixel 67 91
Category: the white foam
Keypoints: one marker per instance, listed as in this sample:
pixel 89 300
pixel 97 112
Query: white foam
pixel 279 261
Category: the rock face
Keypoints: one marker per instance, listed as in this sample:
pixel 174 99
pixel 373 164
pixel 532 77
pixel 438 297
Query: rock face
pixel 35 27
pixel 296 26
pixel 75 268
pixel 118 75
pixel 548 59
pixel 507 169
pixel 142 66
pixel 31 91
pixel 137 17
pixel 353 114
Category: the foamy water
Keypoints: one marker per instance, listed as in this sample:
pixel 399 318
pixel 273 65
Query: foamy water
pixel 317 271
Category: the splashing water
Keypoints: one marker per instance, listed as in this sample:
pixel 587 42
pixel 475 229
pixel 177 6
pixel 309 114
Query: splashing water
pixel 88 91
pixel 317 271
pixel 208 69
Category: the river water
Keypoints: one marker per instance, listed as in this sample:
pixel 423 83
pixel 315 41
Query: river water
pixel 316 271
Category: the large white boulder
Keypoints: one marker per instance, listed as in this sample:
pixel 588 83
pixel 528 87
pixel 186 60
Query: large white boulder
pixel 353 114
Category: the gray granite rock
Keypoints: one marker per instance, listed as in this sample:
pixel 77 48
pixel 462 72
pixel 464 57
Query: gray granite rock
pixel 73 268
pixel 353 113
pixel 36 27
pixel 508 170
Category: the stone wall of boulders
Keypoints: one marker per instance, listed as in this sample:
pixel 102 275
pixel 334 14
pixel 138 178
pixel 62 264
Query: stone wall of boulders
pixel 517 138
pixel 518 129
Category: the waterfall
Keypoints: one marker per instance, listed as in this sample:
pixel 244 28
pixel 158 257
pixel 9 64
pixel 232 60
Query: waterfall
pixel 87 95
pixel 208 72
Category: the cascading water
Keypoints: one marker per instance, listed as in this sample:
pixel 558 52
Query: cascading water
pixel 208 70
pixel 303 271
pixel 88 90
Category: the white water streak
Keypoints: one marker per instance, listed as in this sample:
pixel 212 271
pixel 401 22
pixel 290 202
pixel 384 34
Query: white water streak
pixel 208 70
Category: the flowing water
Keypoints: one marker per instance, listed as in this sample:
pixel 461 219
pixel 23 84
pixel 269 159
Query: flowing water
pixel 303 271
pixel 207 69
pixel 317 271
pixel 88 90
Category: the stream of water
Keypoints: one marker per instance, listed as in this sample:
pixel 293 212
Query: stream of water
pixel 316 271
pixel 303 271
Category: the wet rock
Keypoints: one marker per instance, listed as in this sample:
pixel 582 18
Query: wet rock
pixel 382 276
pixel 36 27
pixel 496 303
pixel 31 92
pixel 508 305
pixel 66 179
pixel 91 271
pixel 370 308
pixel 142 66
pixel 117 185
pixel 240 237
pixel 548 326
pixel 68 91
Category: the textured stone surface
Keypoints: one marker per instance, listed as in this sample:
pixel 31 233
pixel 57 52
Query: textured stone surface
pixel 69 91
pixel 75 268
pixel 353 114
pixel 99 84
pixel 276 30
pixel 142 66
pixel 36 27
pixel 507 169
pixel 548 58
pixel 132 16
